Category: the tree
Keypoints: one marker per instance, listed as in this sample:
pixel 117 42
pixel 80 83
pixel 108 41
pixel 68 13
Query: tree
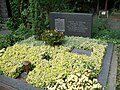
pixel 106 4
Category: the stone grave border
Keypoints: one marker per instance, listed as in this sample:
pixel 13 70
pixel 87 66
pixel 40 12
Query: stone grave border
pixel 102 77
pixel 104 74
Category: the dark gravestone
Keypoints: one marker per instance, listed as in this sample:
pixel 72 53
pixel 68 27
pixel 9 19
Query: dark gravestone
pixel 84 52
pixel 72 24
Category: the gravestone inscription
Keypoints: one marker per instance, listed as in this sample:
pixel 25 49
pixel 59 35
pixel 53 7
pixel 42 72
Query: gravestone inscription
pixel 72 24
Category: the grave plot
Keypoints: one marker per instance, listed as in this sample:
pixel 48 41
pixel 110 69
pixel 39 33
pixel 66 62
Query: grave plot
pixel 58 67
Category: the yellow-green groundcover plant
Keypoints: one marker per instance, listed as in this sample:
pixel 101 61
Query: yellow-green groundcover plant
pixel 63 70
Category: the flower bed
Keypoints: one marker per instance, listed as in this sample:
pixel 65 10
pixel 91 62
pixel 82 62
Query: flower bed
pixel 56 67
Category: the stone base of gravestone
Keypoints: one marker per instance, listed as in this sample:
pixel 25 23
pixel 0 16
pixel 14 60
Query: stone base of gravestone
pixel 72 24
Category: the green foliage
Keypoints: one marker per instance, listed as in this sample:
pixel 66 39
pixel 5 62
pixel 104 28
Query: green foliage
pixel 31 17
pixel 16 18
pixel 6 41
pixel 22 33
pixel 69 41
pixel 109 36
pixel 99 25
pixel 32 42
pixel 10 24
pixel 39 11
pixel 84 6
pixel 76 42
pixel 101 30
pixel 76 82
pixel 60 66
pixel 46 56
pixel 1 72
pixel 34 14
pixel 52 37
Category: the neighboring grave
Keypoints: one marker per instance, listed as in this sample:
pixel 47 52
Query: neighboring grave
pixel 72 24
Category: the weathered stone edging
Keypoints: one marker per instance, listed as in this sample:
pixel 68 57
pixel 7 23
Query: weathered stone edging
pixel 103 76
pixel 19 85
pixel 113 71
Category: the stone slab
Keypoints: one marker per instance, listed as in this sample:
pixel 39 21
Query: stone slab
pixel 72 24
pixel 17 84
pixel 6 87
pixel 84 52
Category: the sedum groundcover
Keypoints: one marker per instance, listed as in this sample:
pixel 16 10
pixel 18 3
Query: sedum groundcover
pixel 56 68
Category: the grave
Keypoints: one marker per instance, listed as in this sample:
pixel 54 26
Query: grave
pixel 72 24
pixel 102 77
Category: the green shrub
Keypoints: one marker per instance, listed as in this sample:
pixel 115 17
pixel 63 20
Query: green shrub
pixel 99 25
pixel 22 33
pixel 101 30
pixel 109 36
pixel 31 41
pixel 6 41
pixel 52 37
pixel 75 42
pixel 34 14
pixel 69 41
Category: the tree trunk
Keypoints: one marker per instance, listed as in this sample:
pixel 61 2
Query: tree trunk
pixel 97 6
pixel 106 4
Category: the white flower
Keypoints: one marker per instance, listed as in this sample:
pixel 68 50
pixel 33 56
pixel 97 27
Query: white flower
pixel 51 34
pixel 59 81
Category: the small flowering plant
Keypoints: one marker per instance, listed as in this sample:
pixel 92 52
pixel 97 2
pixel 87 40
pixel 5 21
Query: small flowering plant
pixel 52 37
